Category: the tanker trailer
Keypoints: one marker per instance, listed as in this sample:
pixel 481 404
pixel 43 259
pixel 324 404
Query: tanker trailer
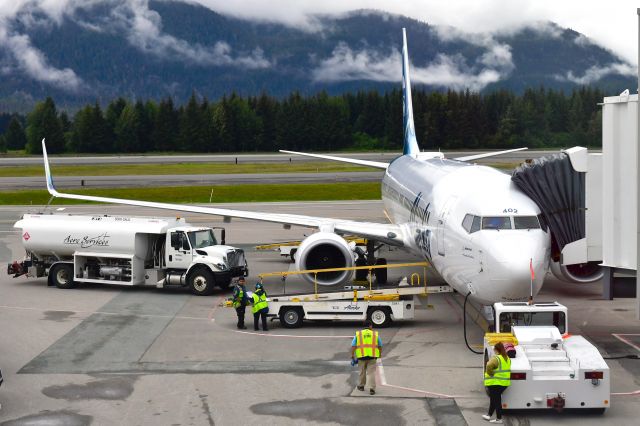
pixel 122 250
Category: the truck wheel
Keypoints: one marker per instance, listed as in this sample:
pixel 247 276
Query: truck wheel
pixel 201 282
pixel 291 317
pixel 380 316
pixel 381 274
pixel 62 275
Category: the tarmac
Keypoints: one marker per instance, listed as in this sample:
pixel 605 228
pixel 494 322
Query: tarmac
pixel 135 356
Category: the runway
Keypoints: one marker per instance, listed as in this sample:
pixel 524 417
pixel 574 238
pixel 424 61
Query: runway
pixel 112 355
pixel 139 181
pixel 243 158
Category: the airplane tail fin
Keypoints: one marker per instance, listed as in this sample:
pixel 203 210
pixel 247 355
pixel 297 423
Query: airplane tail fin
pixel 410 141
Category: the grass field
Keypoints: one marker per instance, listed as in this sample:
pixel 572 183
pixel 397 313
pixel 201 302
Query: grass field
pixel 202 194
pixel 181 169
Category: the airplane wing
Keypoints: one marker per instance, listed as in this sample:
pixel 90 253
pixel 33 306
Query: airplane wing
pixel 391 234
pixel 376 164
pixel 487 154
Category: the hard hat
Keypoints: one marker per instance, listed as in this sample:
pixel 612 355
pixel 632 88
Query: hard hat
pixel 258 286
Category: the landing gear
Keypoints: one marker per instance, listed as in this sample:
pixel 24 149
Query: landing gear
pixel 369 258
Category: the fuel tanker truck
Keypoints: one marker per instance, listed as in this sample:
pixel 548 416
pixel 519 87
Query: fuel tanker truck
pixel 131 251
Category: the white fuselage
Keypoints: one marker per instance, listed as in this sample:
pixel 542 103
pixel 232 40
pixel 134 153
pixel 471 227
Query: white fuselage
pixel 432 196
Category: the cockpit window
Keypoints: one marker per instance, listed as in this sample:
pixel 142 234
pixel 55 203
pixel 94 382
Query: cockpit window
pixel 526 222
pixel 496 222
pixel 471 223
pixel 467 222
pixel 475 227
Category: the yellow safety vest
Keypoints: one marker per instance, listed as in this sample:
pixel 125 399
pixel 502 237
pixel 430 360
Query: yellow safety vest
pixel 259 301
pixel 367 344
pixel 501 376
pixel 237 301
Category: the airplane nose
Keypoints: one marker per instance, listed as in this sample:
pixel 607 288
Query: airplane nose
pixel 510 270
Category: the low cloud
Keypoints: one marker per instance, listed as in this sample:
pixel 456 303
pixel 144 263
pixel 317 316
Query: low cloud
pixel 141 26
pixel 33 62
pixel 597 72
pixel 445 70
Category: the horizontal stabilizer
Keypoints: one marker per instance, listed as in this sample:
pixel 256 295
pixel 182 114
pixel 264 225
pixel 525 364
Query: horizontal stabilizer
pixel 487 154
pixel 376 164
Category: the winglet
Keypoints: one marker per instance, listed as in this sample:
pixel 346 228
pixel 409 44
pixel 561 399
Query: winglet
pixel 47 171
pixel 410 141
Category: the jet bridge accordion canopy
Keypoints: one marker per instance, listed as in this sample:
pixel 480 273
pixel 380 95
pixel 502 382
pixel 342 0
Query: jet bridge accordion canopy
pixel 559 190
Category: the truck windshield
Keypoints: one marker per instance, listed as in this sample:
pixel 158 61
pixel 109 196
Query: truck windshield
pixel 510 319
pixel 203 238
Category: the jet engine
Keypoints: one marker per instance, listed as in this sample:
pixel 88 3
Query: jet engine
pixel 324 250
pixel 580 273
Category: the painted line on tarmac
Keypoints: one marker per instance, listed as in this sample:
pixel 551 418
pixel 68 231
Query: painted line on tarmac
pixel 634 393
pixel 303 336
pixel 623 340
pixel 381 379
pixel 216 304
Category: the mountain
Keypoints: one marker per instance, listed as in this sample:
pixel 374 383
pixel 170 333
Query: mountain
pixel 104 49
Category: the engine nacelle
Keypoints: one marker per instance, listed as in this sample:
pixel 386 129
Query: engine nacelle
pixel 581 273
pixel 324 250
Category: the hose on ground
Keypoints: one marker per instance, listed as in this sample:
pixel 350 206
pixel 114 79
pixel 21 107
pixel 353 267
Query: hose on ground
pixel 464 326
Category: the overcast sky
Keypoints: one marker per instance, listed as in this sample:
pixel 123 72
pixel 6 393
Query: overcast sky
pixel 612 23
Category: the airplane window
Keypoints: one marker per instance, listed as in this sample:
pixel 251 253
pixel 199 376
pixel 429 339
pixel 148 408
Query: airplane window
pixel 543 222
pixel 475 227
pixel 526 222
pixel 467 222
pixel 496 222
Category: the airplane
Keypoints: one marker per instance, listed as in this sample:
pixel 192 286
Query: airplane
pixel 482 234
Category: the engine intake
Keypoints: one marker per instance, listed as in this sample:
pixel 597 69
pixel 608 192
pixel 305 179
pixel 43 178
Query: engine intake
pixel 325 250
pixel 581 273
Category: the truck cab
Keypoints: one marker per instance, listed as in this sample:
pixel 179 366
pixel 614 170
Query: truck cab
pixel 187 247
pixel 550 368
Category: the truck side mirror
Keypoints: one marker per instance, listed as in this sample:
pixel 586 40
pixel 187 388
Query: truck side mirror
pixel 175 240
pixel 223 234
pixel 185 243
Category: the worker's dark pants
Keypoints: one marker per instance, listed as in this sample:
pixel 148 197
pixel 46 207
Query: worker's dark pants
pixel 261 313
pixel 240 312
pixel 495 400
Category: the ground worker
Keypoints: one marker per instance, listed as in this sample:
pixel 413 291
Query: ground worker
pixel 366 347
pixel 260 307
pixel 497 377
pixel 240 301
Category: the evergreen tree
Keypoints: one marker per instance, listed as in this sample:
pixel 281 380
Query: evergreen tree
pixel 15 137
pixel 127 130
pixel 43 122
pixel 165 128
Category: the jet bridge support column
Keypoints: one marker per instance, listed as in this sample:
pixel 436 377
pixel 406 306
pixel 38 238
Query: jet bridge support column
pixel 638 186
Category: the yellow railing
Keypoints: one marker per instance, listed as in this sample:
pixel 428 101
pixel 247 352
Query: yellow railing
pixel 315 272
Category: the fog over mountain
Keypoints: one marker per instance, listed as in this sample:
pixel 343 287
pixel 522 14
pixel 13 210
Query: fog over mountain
pixel 82 51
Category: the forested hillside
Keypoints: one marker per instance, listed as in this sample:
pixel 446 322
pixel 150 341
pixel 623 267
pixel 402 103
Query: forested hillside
pixel 363 120
pixel 103 49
